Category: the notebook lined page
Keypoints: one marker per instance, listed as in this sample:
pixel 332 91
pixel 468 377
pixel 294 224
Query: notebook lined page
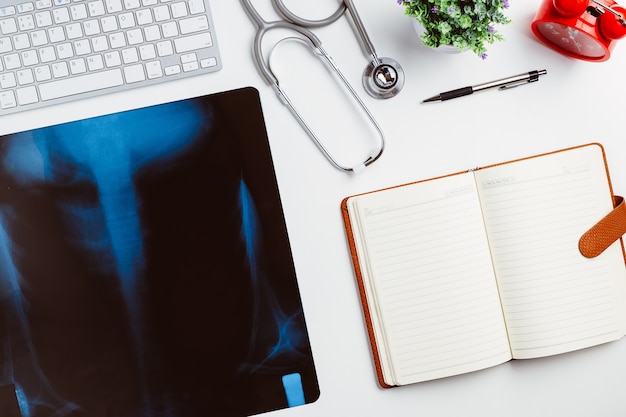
pixel 429 265
pixel 555 300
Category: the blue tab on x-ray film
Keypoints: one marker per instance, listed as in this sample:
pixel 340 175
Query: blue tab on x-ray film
pixel 293 389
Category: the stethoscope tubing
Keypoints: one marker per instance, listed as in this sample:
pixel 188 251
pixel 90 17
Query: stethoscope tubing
pixel 374 153
pixel 264 26
pixel 288 15
pixel 365 40
pixel 346 5
pixel 300 26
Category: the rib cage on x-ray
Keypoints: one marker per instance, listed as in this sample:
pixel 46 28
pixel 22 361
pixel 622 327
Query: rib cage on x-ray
pixel 133 256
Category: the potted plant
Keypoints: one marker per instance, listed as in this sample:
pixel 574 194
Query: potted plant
pixel 463 24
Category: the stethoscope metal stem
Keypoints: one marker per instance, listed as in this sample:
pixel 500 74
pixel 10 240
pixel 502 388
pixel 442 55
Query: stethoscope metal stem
pixel 360 28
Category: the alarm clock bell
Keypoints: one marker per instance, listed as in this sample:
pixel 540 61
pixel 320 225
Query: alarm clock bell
pixel 582 29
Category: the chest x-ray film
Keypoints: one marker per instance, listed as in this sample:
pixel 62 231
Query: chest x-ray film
pixel 145 269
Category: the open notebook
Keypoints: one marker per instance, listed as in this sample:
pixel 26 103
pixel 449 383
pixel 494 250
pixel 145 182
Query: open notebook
pixel 470 270
pixel 145 269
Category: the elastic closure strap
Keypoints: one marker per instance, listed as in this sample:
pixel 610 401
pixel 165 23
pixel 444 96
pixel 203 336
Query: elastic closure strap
pixel 605 232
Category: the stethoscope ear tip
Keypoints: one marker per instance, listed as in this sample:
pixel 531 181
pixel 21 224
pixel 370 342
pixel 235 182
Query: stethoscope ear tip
pixel 383 79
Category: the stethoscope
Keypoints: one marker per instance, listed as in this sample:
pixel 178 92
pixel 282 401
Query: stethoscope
pixel 383 77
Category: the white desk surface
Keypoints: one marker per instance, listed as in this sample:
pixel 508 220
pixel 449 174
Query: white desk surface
pixel 577 102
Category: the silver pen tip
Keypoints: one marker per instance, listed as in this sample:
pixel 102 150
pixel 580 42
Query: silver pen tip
pixel 434 98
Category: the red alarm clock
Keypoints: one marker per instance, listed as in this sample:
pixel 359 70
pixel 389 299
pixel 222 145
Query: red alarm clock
pixel 583 29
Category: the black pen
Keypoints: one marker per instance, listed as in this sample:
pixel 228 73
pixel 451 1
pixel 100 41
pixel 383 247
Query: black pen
pixel 503 84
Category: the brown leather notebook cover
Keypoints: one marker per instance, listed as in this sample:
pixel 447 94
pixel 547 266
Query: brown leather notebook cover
pixel 606 231
pixel 592 243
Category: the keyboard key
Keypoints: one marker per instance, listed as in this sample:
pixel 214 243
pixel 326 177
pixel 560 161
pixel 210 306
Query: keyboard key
pixel 154 70
pixel 91 27
pixel 7 99
pixel 43 19
pixel 152 33
pixel 8 80
pixel 113 6
pixel 21 41
pixel 60 70
pixel 56 34
pixel 82 47
pixel 25 76
pixel 38 38
pixel 165 48
pixel 144 17
pixel 74 31
pixel 99 44
pixel 190 66
pixel 208 62
pixel 134 73
pixel 78 66
pixel 8 26
pixel 112 59
pixel 147 52
pixel 193 42
pixel 117 40
pixel 7 11
pixel 96 8
pixel 170 29
pixel 135 36
pixel 196 6
pixel 109 24
pixel 172 70
pixel 26 22
pixel 61 15
pixel 130 56
pixel 5 45
pixel 43 73
pixel 161 13
pixel 179 10
pixel 78 11
pixel 12 61
pixel 81 84
pixel 126 20
pixel 131 4
pixel 43 4
pixel 29 58
pixel 65 51
pixel 47 54
pixel 25 7
pixel 188 58
pixel 27 95
pixel 95 62
pixel 194 24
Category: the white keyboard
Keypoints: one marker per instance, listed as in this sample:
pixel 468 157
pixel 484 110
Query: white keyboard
pixel 54 51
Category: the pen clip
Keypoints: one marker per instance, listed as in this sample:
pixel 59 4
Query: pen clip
pixel 533 76
pixel 518 83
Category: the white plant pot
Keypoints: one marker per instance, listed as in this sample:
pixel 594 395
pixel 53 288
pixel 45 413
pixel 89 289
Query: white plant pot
pixel 446 49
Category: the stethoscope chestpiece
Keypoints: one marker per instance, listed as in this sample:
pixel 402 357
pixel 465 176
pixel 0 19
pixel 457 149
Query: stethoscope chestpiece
pixel 383 78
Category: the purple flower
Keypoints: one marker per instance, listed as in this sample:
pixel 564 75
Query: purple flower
pixel 451 9
pixel 506 4
pixel 435 9
pixel 491 29
pixel 484 56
